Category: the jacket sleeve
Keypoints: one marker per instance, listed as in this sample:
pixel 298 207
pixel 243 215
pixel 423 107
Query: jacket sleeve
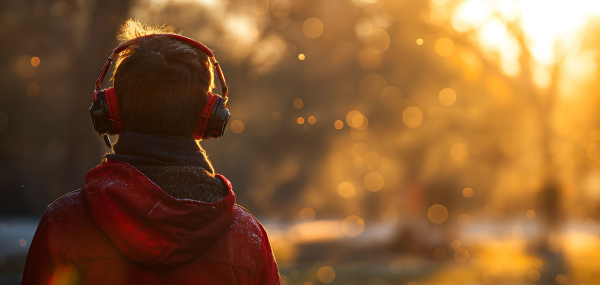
pixel 38 267
pixel 269 273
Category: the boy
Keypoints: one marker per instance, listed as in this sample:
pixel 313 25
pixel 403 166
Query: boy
pixel 154 212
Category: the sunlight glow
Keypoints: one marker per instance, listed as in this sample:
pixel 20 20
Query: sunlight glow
pixel 549 34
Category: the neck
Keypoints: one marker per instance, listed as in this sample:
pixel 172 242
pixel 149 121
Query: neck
pixel 151 149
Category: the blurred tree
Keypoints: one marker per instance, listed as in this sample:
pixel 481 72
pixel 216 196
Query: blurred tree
pixel 49 143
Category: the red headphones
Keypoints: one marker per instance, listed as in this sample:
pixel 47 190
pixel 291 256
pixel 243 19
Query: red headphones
pixel 106 111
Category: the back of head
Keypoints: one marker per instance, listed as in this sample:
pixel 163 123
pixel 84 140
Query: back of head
pixel 161 82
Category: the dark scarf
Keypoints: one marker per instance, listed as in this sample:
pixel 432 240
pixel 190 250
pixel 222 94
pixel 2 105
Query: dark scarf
pixel 178 165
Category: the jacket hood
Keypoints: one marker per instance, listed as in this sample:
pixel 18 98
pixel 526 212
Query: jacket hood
pixel 147 225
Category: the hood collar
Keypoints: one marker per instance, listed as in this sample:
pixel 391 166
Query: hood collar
pixel 146 224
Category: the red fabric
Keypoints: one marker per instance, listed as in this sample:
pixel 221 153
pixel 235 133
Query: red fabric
pixel 114 109
pixel 123 229
pixel 204 116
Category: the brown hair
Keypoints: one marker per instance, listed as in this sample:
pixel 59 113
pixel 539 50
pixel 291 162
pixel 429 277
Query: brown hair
pixel 161 82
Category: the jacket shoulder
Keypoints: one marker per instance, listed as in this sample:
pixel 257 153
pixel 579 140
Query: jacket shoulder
pixel 244 223
pixel 69 209
pixel 71 231
pixel 241 245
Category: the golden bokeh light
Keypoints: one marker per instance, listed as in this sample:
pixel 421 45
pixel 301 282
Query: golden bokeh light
pixel 377 41
pixel 237 126
pixel 353 226
pixel 464 219
pixel 346 189
pixel 530 214
pixel 35 61
pixel 369 60
pixel 589 223
pixel 298 103
pixel 391 97
pixel 419 41
pixel 372 158
pixel 455 244
pixel 593 151
pixel 444 47
pixel 295 274
pixel 561 279
pixel 355 119
pixel 254 32
pixel 534 275
pixel 300 120
pixel 338 124
pixel 358 162
pixel 280 8
pixel 412 117
pixel 459 152
pixel 518 232
pixel 32 90
pixel 461 255
pixel 538 264
pixel 437 214
pixel 412 283
pixel 312 120
pixel 447 96
pixel 439 254
pixel 510 150
pixel 489 277
pixel 326 274
pixel 260 6
pixel 301 56
pixel 282 23
pixel 312 28
pixel 594 135
pixel 360 149
pixel 393 10
pixel 467 192
pixel 470 112
pixel 371 86
pixel 433 112
pixel 276 115
pixel 307 214
pixel 358 134
pixel 589 207
pixel 373 181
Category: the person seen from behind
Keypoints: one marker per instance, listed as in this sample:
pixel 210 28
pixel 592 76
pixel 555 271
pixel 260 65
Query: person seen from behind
pixel 154 211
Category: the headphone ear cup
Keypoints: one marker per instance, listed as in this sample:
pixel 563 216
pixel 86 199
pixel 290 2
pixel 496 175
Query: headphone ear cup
pixel 114 108
pixel 106 112
pixel 99 112
pixel 219 116
pixel 200 131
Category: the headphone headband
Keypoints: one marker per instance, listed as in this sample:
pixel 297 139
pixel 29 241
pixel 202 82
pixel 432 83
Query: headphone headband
pixel 129 43
pixel 106 113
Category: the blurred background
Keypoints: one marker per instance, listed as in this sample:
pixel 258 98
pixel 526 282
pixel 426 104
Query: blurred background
pixel 378 141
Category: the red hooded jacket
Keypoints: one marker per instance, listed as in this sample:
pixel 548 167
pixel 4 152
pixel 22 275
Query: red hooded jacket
pixel 124 229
